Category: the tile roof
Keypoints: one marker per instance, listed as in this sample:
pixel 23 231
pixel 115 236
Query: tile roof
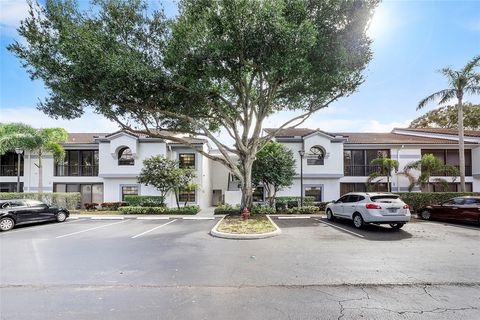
pixel 81 138
pixel 390 138
pixel 292 132
pixel 467 133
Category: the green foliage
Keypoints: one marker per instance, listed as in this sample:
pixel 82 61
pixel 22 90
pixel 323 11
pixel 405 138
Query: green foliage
pixel 292 202
pixel 218 63
pixel 301 210
pixel 227 209
pixel 164 174
pixel 416 200
pixel 145 201
pixel 262 210
pixel 68 200
pixel 428 166
pixel 112 205
pixel 188 210
pixel 447 117
pixel 386 166
pixel 274 168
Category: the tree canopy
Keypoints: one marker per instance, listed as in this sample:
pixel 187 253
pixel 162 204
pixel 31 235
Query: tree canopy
pixel 219 64
pixel 447 117
pixel 274 168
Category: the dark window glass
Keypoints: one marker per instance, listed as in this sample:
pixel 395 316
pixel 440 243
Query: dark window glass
pixel 352 187
pixel 187 196
pixel 129 191
pixel 125 157
pixel 471 201
pixel 186 160
pixel 343 199
pixel 18 203
pixel 454 201
pixel 315 192
pixel 258 194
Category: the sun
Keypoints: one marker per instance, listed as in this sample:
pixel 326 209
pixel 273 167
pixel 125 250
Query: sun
pixel 378 24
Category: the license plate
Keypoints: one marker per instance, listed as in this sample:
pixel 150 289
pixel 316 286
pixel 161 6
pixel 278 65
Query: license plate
pixel 392 210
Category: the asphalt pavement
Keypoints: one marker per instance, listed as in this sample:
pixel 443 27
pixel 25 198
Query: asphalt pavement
pixel 173 269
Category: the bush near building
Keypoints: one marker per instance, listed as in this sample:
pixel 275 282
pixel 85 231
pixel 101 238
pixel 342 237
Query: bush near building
pixel 145 201
pixel 187 210
pixel 416 200
pixel 68 200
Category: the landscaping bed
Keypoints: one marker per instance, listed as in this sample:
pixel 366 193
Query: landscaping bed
pixel 256 224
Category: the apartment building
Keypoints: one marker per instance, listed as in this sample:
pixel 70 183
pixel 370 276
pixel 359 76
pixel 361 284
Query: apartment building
pixel 104 167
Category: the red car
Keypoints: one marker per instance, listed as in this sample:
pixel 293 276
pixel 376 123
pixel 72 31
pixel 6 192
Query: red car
pixel 459 208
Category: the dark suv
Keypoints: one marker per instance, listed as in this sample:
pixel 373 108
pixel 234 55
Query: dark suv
pixel 22 211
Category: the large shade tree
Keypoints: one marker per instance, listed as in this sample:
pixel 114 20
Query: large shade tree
pixel 218 66
pixel 460 82
pixel 36 141
pixel 447 117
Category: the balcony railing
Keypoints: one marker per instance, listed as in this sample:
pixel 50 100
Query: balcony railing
pixel 76 171
pixel 468 172
pixel 360 170
pixel 10 170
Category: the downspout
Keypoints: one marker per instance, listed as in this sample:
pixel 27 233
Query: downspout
pixel 398 159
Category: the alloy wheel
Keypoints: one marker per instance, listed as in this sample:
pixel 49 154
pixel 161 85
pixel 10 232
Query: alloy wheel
pixel 358 221
pixel 425 215
pixel 6 224
pixel 61 216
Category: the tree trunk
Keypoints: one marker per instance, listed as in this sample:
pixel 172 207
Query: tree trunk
pixel 247 190
pixel 40 172
pixel 177 198
pixel 461 144
pixel 389 189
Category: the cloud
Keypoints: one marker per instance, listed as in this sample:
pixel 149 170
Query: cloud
pixel 89 122
pixel 11 13
pixel 474 25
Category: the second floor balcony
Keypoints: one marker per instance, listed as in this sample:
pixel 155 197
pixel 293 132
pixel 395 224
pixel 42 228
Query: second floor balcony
pixel 445 173
pixel 7 170
pixel 76 171
pixel 360 170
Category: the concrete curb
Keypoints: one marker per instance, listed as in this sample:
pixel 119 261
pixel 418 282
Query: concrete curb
pixel 215 233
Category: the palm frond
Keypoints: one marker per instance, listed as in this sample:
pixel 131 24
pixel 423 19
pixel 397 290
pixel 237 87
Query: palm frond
pixel 473 90
pixel 434 96
pixel 475 62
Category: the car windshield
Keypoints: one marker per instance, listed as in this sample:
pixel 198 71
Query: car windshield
pixel 386 199
pixel 35 203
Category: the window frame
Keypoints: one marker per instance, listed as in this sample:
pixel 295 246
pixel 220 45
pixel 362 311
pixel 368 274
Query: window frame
pixel 130 161
pixel 181 164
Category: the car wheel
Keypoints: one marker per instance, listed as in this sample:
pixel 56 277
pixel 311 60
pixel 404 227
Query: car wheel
pixel 425 215
pixel 61 216
pixel 6 224
pixel 358 221
pixel 397 226
pixel 330 216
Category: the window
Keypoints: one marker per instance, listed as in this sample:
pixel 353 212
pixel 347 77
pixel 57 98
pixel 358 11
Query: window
pixel 315 192
pixel 187 196
pixel 361 187
pixel 90 192
pixel 316 156
pixel 451 157
pixel 258 194
pixel 186 160
pixel 129 191
pixel 78 163
pixel 449 187
pixel 469 201
pixel 357 162
pixel 125 157
pixel 454 202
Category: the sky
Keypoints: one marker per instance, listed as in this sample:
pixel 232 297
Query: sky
pixel 412 40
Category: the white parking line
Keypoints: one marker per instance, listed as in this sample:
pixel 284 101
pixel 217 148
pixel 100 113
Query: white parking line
pixel 105 225
pixel 153 218
pixel 107 218
pixel 157 227
pixel 346 230
pixel 288 218
pixel 34 227
pixel 198 218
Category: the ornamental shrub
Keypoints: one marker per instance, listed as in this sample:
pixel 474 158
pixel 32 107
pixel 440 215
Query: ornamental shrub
pixel 145 201
pixel 282 203
pixel 187 210
pixel 262 210
pixel 113 205
pixel 68 200
pixel 227 209
pixel 416 200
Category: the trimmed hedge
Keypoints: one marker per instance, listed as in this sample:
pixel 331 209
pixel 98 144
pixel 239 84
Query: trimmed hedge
pixel 68 200
pixel 188 210
pixel 145 201
pixel 282 203
pixel 301 210
pixel 262 210
pixel 227 209
pixel 417 200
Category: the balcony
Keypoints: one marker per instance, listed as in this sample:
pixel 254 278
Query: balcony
pixel 10 170
pixel 360 170
pixel 76 171
pixel 468 172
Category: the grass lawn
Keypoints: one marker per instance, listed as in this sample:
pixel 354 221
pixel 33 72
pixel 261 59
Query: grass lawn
pixel 256 224
pixel 95 212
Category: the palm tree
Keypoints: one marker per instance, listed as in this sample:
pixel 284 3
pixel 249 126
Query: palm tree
pixel 19 135
pixel 464 81
pixel 386 166
pixel 428 166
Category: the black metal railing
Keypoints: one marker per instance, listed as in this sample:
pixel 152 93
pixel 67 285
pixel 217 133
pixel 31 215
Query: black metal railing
pixel 361 170
pixel 76 171
pixel 10 170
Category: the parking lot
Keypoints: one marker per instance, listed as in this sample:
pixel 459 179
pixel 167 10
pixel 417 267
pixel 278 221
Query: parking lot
pixel 173 269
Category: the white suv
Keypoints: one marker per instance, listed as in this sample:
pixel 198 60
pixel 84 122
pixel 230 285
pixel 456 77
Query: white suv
pixel 370 207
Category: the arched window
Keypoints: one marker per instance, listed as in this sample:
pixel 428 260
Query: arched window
pixel 125 157
pixel 316 156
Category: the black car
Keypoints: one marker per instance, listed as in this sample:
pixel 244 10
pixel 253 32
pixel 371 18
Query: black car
pixel 22 211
